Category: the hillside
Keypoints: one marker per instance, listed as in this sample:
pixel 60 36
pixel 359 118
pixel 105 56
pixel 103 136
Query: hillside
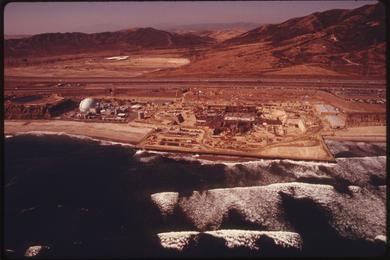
pixel 221 35
pixel 15 36
pixel 331 43
pixel 65 43
pixel 209 27
pixel 334 43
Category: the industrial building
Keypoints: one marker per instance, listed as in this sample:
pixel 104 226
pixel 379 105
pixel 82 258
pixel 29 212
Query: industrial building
pixel 87 104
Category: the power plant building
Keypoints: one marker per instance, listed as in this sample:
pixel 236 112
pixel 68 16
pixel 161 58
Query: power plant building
pixel 87 104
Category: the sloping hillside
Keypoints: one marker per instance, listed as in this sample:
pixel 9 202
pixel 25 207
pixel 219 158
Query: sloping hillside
pixel 65 43
pixel 331 43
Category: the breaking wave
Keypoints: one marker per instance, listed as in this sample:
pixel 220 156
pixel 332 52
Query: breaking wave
pixel 101 186
pixel 343 149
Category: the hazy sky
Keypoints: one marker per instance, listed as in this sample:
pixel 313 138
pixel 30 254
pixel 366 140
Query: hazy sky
pixel 40 17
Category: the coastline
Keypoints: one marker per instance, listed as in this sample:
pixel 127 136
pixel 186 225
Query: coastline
pixel 133 136
pixel 237 154
pixel 107 131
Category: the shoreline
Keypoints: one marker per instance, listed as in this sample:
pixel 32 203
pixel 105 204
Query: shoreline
pixel 237 154
pixel 121 133
pixel 210 156
pixel 133 136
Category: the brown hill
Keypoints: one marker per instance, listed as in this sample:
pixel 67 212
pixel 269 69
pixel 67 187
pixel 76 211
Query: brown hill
pixel 221 35
pixel 331 43
pixel 334 42
pixel 354 28
pixel 15 36
pixel 65 43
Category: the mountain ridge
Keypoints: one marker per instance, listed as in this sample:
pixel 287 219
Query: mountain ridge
pixel 335 42
pixel 53 43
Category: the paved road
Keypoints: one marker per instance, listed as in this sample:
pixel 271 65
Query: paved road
pixel 194 80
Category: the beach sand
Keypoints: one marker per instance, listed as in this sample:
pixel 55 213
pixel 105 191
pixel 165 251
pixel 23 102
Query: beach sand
pixel 107 131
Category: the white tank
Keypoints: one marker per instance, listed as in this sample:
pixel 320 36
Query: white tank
pixel 86 104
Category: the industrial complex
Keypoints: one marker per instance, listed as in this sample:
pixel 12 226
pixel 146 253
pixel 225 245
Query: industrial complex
pixel 251 121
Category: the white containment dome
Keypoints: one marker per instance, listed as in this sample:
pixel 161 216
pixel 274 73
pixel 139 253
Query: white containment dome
pixel 86 104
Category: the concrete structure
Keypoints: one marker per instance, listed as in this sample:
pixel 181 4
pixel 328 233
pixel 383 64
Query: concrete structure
pixel 86 104
pixel 239 117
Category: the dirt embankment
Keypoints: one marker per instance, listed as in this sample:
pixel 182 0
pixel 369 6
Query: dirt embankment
pixel 13 110
pixel 348 107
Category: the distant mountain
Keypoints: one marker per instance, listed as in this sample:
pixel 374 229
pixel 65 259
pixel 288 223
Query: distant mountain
pixel 209 27
pixel 218 35
pixel 65 43
pixel 15 36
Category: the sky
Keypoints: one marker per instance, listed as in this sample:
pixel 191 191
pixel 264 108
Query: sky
pixel 43 17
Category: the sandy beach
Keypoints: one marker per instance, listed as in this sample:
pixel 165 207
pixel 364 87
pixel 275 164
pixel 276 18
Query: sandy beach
pixel 107 131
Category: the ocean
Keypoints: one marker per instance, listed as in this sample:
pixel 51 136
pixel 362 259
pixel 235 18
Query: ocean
pixel 89 198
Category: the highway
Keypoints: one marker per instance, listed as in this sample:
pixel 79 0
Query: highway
pixel 130 80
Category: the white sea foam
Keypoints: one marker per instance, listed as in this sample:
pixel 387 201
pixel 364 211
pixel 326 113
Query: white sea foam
pixel 148 159
pixel 253 164
pixel 82 137
pixel 233 238
pixel 360 158
pixel 43 133
pixel 104 142
pixel 139 152
pixel 158 152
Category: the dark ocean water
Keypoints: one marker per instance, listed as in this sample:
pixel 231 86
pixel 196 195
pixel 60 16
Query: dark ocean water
pixel 85 198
